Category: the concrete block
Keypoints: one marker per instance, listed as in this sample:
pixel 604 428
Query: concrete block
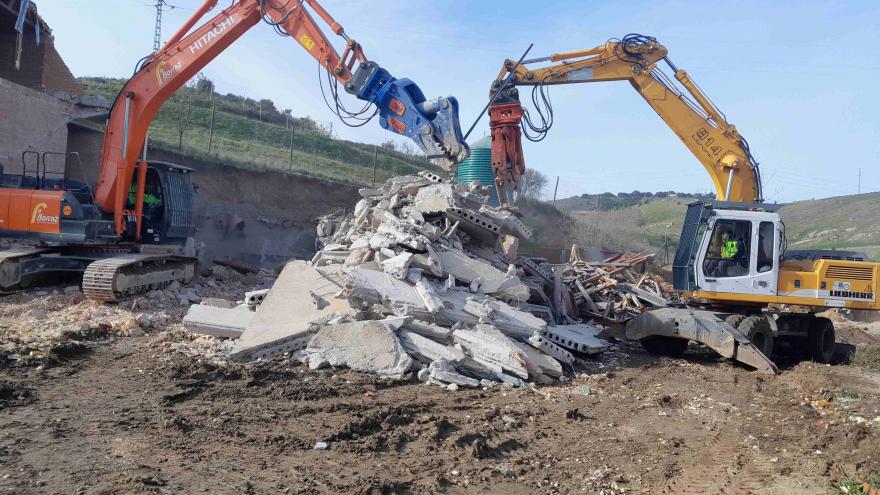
pixel 323 258
pixel 397 266
pixel 486 344
pixel 429 296
pixel 427 350
pixel 361 345
pixel 432 177
pixel 283 322
pixel 219 322
pixel 217 302
pixel 441 371
pixel 255 297
pixel 358 256
pixel 579 338
pixel 435 198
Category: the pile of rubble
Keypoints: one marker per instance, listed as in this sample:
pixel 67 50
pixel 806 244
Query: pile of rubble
pixel 424 276
pixel 612 291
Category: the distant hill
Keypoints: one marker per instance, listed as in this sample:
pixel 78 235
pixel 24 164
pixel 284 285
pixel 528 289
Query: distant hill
pixel 612 201
pixel 254 134
pixel 844 222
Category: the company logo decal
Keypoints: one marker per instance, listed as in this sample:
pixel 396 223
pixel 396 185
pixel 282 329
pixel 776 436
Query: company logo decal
pixel 209 37
pixel 164 70
pixel 38 217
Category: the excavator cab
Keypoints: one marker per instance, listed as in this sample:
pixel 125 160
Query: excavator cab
pixel 169 204
pixel 732 248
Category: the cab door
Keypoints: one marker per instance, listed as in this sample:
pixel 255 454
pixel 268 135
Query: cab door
pixel 739 254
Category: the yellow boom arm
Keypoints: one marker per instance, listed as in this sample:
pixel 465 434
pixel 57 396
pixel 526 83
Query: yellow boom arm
pixel 693 117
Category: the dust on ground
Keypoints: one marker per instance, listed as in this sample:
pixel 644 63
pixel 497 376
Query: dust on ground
pixel 119 398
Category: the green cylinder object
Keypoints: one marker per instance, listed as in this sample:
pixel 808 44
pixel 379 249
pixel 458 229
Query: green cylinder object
pixel 478 166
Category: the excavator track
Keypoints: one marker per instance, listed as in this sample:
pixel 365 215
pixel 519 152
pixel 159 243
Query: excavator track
pixel 115 278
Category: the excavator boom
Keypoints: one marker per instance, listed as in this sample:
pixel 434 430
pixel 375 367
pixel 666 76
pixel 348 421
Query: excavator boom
pixel 704 129
pixel 401 106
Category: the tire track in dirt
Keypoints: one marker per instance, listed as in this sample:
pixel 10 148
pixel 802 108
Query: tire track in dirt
pixel 725 465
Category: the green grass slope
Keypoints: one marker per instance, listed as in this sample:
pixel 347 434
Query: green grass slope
pixel 242 140
pixel 844 222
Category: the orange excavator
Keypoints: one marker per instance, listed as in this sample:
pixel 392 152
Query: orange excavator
pixel 122 244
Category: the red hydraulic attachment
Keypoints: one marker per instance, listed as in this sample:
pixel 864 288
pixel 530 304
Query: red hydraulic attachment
pixel 507 155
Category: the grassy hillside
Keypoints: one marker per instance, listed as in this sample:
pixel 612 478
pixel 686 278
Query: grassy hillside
pixel 255 135
pixel 845 222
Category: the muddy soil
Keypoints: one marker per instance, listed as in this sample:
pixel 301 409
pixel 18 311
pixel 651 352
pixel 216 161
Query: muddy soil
pixel 129 415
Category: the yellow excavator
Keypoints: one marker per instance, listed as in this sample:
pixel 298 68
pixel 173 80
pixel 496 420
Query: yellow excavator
pixel 745 295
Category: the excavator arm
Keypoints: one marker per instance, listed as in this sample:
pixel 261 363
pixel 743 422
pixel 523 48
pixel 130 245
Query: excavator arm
pixel 704 129
pixel 400 104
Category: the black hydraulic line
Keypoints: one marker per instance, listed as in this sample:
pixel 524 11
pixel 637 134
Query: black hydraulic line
pixel 503 85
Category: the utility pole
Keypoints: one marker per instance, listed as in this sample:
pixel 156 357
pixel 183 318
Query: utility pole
pixel 157 43
pixel 860 181
pixel 292 125
pixel 555 190
pixel 211 135
pixel 375 162
pixel 157 32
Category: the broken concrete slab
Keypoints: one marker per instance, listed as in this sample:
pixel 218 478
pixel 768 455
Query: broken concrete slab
pixel 401 298
pixel 475 224
pixel 509 320
pixel 490 279
pixel 486 344
pixel 539 363
pixel 580 338
pixel 283 322
pixel 427 350
pixel 539 342
pixel 361 345
pixel 508 222
pixel 219 322
pixel 375 287
pixel 425 329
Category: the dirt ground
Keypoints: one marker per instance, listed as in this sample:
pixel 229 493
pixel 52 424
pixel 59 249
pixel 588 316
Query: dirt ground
pixel 97 412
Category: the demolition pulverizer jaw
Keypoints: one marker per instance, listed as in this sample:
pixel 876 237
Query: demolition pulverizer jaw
pixel 403 109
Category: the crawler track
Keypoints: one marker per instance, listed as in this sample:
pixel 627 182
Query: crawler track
pixel 115 278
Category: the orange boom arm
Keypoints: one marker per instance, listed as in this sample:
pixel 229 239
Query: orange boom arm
pixel 433 125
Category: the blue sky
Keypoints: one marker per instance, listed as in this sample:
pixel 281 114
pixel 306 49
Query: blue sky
pixel 798 79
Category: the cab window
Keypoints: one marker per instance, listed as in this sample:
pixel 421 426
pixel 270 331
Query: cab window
pixel 728 252
pixel 766 234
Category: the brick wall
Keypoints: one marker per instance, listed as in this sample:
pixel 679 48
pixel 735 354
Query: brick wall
pixel 30 120
pixel 41 66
